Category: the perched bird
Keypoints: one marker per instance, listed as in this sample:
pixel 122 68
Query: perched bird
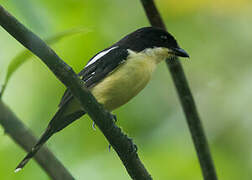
pixel 114 76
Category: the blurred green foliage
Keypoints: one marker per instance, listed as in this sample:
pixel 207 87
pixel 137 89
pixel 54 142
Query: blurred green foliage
pixel 217 34
pixel 23 56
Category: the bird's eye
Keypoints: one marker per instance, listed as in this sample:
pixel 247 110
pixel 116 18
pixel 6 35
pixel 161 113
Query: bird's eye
pixel 163 37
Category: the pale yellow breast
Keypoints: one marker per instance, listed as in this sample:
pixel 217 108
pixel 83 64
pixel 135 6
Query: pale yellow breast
pixel 125 82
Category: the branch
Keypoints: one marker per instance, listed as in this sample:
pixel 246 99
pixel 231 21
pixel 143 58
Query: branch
pixel 22 136
pixel 103 119
pixel 186 100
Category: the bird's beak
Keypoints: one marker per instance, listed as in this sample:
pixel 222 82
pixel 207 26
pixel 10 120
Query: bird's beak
pixel 180 52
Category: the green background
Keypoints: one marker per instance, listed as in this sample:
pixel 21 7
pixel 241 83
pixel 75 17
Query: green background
pixel 216 33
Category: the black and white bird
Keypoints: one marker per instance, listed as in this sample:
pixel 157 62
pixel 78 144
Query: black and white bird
pixel 114 76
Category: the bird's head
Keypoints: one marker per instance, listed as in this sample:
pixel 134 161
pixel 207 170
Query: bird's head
pixel 150 38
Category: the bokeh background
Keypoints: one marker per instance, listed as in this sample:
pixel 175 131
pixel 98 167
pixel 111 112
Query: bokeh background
pixel 216 33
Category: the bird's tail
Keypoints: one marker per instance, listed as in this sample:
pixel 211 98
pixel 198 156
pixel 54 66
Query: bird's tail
pixel 58 122
pixel 47 134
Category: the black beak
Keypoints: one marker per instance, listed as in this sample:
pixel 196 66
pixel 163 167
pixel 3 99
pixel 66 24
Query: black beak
pixel 180 52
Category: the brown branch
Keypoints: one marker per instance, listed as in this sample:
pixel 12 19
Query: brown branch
pixel 186 100
pixel 23 137
pixel 124 146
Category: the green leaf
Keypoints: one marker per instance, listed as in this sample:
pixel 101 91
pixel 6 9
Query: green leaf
pixel 23 56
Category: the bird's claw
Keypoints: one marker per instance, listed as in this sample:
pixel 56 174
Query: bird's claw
pixel 109 147
pixel 93 126
pixel 133 146
pixel 114 117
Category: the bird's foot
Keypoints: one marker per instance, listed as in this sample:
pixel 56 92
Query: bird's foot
pixel 93 126
pixel 133 146
pixel 109 147
pixel 114 117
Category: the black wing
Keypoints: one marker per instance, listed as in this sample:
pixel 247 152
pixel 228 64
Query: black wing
pixel 96 71
pixel 102 64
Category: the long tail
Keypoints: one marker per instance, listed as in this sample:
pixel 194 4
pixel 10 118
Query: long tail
pixel 56 124
pixel 47 134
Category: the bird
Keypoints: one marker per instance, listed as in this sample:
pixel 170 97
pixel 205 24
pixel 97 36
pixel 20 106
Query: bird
pixel 114 76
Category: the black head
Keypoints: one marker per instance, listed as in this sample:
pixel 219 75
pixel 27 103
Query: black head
pixel 150 37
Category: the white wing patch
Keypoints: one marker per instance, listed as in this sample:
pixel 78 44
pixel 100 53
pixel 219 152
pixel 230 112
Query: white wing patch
pixel 98 56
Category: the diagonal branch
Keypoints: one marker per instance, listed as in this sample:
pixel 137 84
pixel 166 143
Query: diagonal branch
pixel 22 136
pixel 124 146
pixel 186 100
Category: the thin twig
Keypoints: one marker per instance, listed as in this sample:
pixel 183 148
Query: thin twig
pixel 186 100
pixel 103 119
pixel 23 137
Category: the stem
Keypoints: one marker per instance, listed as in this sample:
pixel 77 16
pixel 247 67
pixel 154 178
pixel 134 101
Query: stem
pixel 124 146
pixel 186 100
pixel 23 137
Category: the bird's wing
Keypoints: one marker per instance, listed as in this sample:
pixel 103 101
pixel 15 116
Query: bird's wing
pixel 98 68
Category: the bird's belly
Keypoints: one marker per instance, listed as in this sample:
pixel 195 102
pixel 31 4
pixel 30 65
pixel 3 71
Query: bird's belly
pixel 124 83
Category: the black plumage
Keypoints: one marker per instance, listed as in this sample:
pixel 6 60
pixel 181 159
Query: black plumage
pixel 99 67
